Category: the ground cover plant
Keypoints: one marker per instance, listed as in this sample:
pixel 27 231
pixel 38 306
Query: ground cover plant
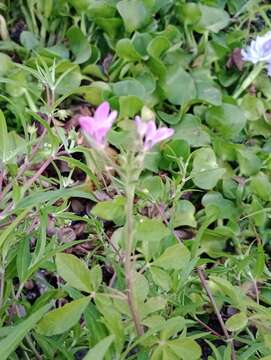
pixel 135 179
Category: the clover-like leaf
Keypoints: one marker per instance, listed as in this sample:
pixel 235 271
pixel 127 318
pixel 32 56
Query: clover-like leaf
pixel 206 172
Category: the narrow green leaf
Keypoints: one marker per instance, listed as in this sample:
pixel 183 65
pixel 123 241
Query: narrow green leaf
pixel 185 348
pixel 16 335
pixel 60 320
pixel 41 241
pixel 40 197
pixel 3 137
pixel 260 263
pixel 74 271
pixel 99 350
pixel 4 235
pixel 23 258
pixel 73 163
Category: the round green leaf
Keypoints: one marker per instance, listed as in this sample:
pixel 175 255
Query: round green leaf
pixel 249 162
pixel 206 172
pixel 174 257
pixel 184 214
pixel 261 186
pixel 178 85
pixel 192 131
pixel 6 64
pixel 125 50
pixel 188 13
pixel 111 210
pixel 79 45
pixel 212 19
pixel 135 13
pixel 29 40
pixel 236 322
pixel 130 105
pixel 227 119
pixel 129 87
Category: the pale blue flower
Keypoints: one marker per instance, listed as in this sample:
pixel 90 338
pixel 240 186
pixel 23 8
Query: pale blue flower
pixel 259 49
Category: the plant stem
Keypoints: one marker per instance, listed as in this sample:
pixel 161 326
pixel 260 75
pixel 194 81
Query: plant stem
pixel 2 176
pixel 25 166
pixel 129 235
pixel 249 80
pixel 205 285
pixel 32 347
pixel 28 184
pixel 4 34
pixel 38 173
pixel 27 337
pixel 2 286
pixel 207 327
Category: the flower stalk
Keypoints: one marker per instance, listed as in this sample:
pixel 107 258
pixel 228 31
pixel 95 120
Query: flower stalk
pixel 249 79
pixel 96 128
pixel 129 237
pixel 259 54
pixel 133 165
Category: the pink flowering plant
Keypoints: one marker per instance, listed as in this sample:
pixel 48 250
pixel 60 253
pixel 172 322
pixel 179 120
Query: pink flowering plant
pixel 135 179
pixel 96 129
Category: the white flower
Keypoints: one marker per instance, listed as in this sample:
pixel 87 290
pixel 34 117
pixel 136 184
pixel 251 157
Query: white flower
pixel 259 49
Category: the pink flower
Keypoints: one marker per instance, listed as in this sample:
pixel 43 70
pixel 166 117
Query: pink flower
pixel 150 135
pixel 98 126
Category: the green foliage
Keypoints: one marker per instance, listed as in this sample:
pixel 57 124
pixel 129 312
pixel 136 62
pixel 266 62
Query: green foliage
pixel 72 270
pixel 98 351
pixel 16 334
pixel 60 320
pixel 202 200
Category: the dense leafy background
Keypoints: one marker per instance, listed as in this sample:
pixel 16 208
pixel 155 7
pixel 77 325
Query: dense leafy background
pixel 202 204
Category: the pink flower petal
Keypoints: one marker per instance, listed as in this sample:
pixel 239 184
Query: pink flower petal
pixel 111 118
pixel 151 130
pixel 98 126
pixel 162 134
pixel 141 126
pixel 86 123
pixel 100 135
pixel 102 112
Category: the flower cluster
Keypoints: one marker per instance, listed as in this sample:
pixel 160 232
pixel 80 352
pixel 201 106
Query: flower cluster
pixel 259 50
pixel 98 126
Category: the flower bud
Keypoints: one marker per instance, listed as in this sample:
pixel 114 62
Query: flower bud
pixel 147 114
